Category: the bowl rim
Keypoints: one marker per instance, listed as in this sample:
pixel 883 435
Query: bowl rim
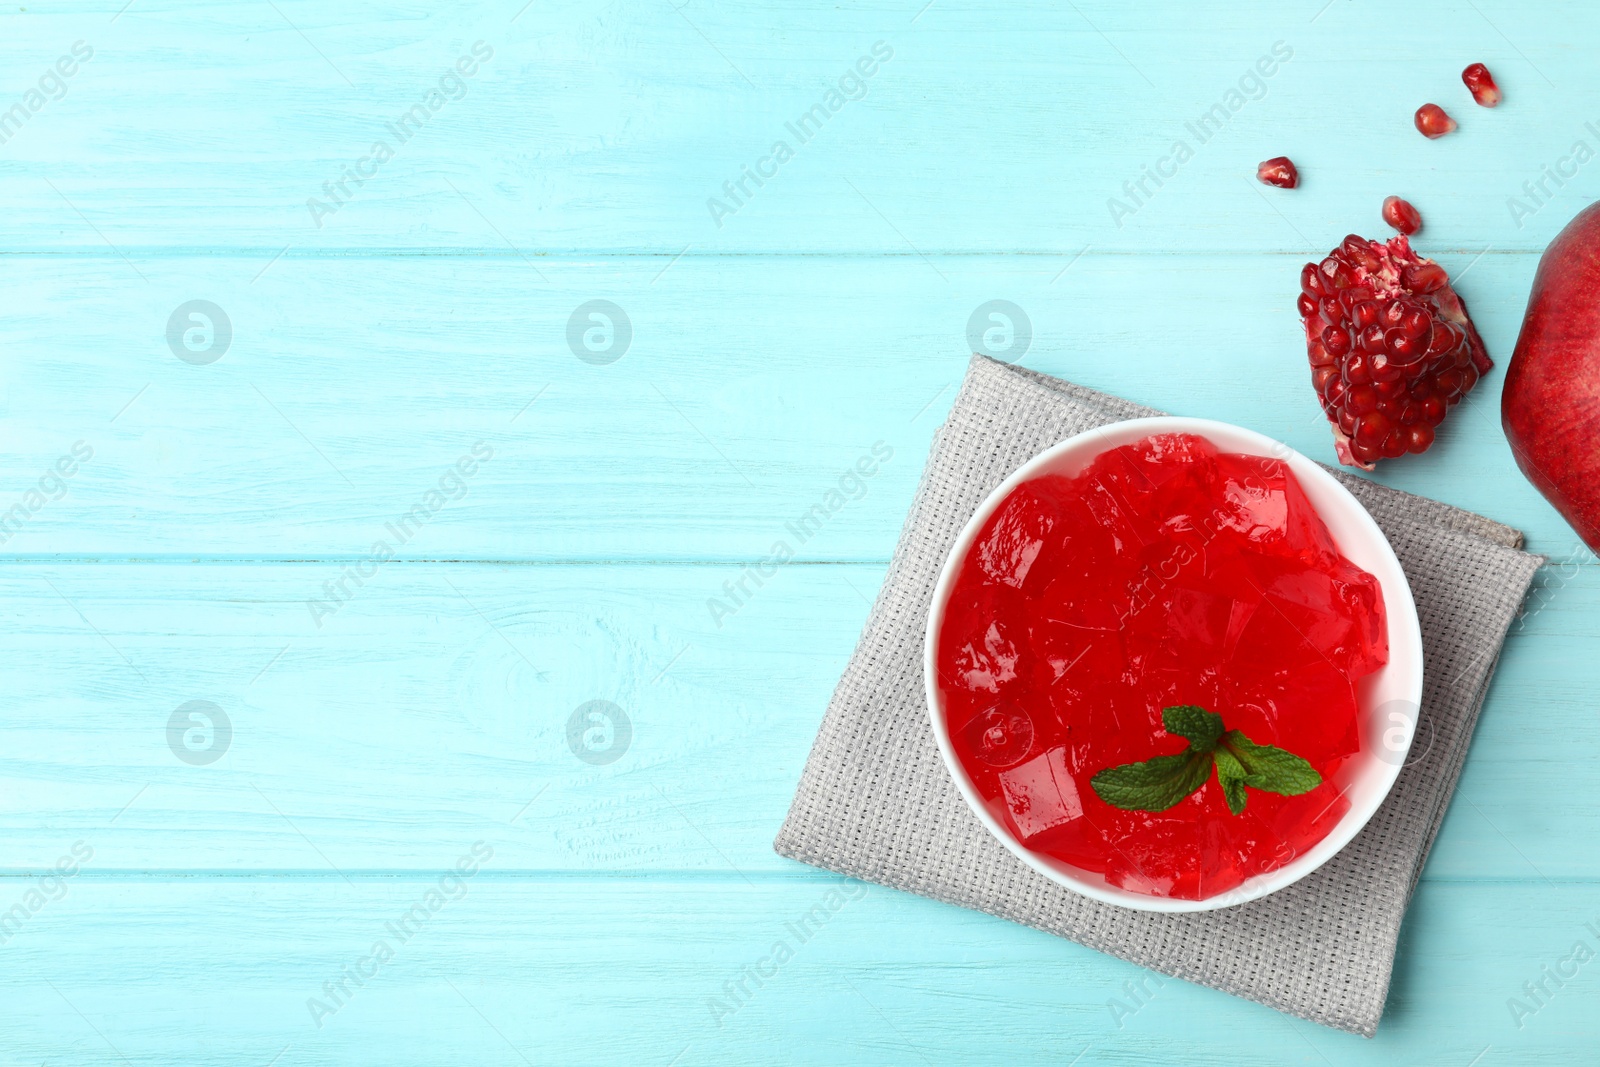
pixel 1405 655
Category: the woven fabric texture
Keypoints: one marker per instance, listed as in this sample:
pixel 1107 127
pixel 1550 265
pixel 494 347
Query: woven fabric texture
pixel 876 802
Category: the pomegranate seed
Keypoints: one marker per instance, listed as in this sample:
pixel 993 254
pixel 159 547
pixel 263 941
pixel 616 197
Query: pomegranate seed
pixel 1372 428
pixel 1426 277
pixel 1356 371
pixel 1416 324
pixel 1478 79
pixel 1402 349
pixel 1390 345
pixel 1401 215
pixel 1359 255
pixel 1278 171
pixel 1384 368
pixel 1432 122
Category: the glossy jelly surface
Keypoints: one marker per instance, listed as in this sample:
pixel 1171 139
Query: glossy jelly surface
pixel 1166 573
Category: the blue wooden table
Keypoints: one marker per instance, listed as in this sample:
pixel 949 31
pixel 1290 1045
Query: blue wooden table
pixel 394 391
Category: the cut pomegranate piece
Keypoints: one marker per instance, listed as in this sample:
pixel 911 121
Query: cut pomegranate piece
pixel 1432 122
pixel 1478 79
pixel 1401 215
pixel 1279 171
pixel 1391 347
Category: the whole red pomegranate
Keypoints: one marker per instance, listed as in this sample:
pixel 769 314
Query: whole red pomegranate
pixel 1390 344
pixel 1551 405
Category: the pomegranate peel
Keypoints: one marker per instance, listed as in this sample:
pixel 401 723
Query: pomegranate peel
pixel 1551 404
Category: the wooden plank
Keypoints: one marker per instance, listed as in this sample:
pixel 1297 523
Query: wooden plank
pixel 749 389
pixel 434 706
pixel 992 130
pixel 517 970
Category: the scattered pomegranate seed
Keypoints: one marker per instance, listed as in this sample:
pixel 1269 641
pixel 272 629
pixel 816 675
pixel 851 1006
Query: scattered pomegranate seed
pixel 1481 82
pixel 1390 344
pixel 1401 215
pixel 1432 122
pixel 1279 171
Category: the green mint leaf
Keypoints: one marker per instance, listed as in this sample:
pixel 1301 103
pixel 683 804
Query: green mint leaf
pixel 1201 727
pixel 1155 784
pixel 1232 777
pixel 1269 768
pixel 1161 783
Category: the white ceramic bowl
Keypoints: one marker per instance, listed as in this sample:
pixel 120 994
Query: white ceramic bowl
pixel 1389 699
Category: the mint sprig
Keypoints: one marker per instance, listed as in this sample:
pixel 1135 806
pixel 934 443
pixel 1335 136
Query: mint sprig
pixel 1157 784
pixel 1154 785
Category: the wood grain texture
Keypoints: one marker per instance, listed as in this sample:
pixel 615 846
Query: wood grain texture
pixel 1000 129
pixel 527 970
pixel 351 386
pixel 432 707
pixel 773 344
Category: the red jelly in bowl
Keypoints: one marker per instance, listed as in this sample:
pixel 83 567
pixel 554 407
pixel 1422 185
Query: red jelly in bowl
pixel 1166 573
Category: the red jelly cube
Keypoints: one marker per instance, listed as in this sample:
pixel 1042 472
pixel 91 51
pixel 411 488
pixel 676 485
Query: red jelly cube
pixel 1263 501
pixel 987 659
pixel 978 647
pixel 1000 735
pixel 1014 536
pixel 1161 857
pixel 1309 710
pixel 1322 615
pixel 1040 794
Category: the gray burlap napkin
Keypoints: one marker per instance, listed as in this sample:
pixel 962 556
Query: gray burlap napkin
pixel 875 801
